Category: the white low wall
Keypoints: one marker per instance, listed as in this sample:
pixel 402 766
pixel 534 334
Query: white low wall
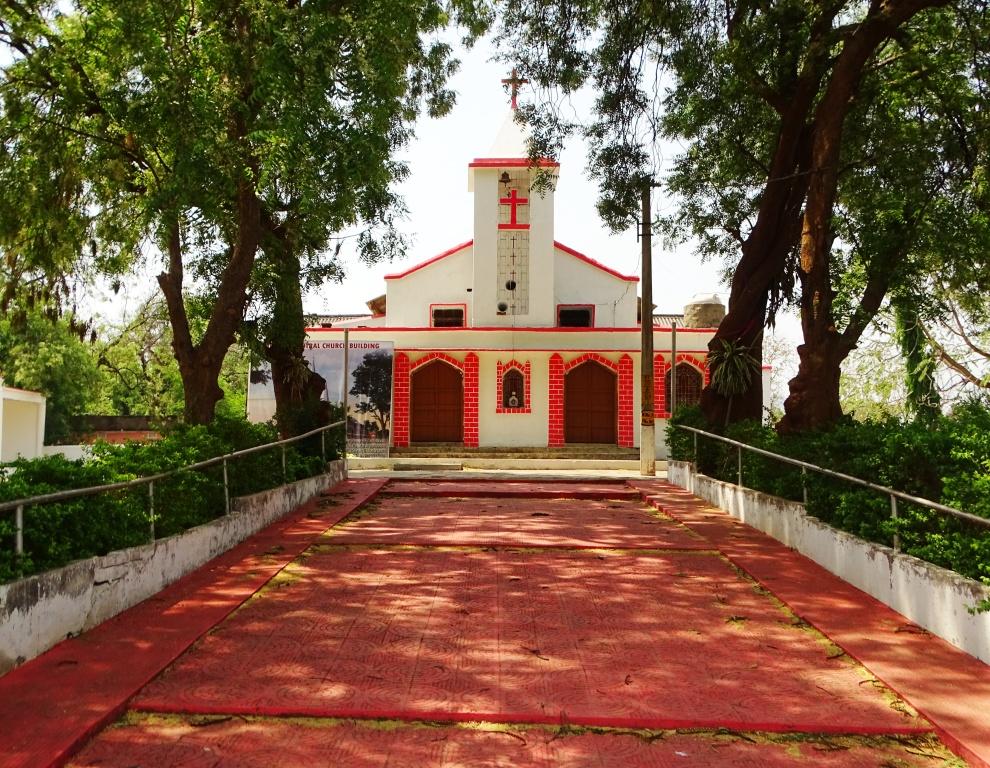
pixel 932 597
pixel 41 610
pixel 71 452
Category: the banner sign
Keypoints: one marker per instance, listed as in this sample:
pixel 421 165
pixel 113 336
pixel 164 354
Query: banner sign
pixel 368 393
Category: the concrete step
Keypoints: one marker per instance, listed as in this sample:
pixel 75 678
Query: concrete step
pixel 439 464
pixel 456 451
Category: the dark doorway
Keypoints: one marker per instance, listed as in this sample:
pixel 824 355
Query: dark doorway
pixel 436 404
pixel 590 412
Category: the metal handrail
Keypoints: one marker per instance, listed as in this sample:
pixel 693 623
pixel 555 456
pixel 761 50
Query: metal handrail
pixel 18 505
pixel 805 465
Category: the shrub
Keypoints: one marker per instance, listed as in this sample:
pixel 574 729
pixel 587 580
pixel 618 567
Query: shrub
pixel 55 534
pixel 945 460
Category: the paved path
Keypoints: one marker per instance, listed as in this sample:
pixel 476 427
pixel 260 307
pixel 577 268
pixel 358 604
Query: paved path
pixel 430 623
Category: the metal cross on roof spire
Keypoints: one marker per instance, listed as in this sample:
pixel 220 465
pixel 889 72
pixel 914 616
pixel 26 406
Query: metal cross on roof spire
pixel 514 82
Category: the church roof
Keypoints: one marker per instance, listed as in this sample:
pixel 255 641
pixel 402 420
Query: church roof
pixel 558 245
pixel 511 148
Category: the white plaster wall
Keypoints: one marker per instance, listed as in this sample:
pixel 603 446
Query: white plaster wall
pixel 41 610
pixel 443 282
pixel 484 312
pixel 541 261
pixel 577 282
pixel 932 597
pixel 513 429
pixel 22 428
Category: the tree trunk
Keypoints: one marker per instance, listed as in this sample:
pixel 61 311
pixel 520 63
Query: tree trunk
pixel 763 262
pixel 299 404
pixel 199 364
pixel 813 402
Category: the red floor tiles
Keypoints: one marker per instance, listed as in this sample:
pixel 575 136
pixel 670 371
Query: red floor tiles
pixel 465 623
pixel 264 743
pixel 507 522
pixel 624 640
pixel 50 704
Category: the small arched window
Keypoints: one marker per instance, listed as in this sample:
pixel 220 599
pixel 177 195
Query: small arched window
pixel 513 389
pixel 690 382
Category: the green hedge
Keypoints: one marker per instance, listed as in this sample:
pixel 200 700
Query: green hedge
pixel 55 534
pixel 946 460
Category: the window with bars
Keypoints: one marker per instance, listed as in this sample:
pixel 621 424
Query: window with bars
pixel 575 317
pixel 447 317
pixel 690 382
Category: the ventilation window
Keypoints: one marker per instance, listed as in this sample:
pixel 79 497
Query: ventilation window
pixel 447 317
pixel 575 317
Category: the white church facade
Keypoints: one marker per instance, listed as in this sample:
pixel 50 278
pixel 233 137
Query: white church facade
pixel 514 338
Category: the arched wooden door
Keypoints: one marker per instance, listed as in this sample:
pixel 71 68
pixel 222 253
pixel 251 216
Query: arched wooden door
pixel 436 408
pixel 590 404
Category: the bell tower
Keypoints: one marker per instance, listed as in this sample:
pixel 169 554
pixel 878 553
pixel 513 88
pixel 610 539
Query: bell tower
pixel 513 230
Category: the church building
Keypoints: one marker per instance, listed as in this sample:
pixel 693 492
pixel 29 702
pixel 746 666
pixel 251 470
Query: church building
pixel 516 338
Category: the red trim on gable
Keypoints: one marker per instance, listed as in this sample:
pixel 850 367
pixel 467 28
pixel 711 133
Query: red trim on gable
pixel 512 162
pixel 494 328
pixel 588 260
pixel 415 267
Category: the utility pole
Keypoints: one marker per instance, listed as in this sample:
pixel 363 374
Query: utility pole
pixel 647 432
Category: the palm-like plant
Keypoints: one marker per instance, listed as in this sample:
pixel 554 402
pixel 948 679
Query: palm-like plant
pixel 733 364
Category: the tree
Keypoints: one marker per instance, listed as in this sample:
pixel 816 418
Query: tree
pixel 373 383
pixel 204 129
pixel 49 355
pixel 760 94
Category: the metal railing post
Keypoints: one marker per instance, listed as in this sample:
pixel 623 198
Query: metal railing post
pixel 695 449
pixel 285 474
pixel 151 509
pixel 19 528
pixel 323 446
pixel 893 517
pixel 804 484
pixel 226 488
pixel 739 461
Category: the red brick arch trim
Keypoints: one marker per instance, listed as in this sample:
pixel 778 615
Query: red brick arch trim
pixel 431 356
pixel 660 368
pixel 501 370
pixel 402 379
pixel 623 369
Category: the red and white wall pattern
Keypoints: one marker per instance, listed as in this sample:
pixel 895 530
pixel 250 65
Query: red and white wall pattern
pixel 501 370
pixel 401 392
pixel 558 369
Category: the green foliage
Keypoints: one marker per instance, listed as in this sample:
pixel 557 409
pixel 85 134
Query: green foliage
pixel 55 534
pixel 210 132
pixel 47 355
pixel 946 459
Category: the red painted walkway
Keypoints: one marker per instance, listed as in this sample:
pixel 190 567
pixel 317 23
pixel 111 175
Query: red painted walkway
pixel 518 624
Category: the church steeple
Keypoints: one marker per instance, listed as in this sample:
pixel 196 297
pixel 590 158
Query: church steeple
pixel 513 229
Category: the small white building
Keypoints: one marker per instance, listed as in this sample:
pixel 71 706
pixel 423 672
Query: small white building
pixel 513 338
pixel 22 423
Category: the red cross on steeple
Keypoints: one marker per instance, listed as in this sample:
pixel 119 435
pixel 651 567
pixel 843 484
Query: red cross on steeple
pixel 514 82
pixel 514 201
